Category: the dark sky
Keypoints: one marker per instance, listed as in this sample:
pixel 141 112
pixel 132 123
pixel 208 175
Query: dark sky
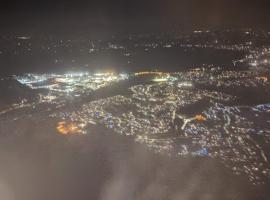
pixel 190 13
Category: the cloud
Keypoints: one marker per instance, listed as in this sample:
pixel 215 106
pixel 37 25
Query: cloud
pixel 5 192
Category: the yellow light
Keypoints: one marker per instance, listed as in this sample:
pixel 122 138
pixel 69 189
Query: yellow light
pixel 200 118
pixel 68 128
pixel 150 73
pixel 262 78
pixel 160 79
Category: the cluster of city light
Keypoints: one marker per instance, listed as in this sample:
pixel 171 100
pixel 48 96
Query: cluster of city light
pixel 70 128
pixel 153 109
pixel 154 112
pixel 70 82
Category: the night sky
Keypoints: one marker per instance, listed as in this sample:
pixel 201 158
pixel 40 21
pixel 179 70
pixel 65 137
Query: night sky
pixel 39 15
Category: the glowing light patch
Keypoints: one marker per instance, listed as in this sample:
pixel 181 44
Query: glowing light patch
pixel 69 128
pixel 24 38
pixel 262 78
pixel 150 73
pixel 185 84
pixel 160 79
pixel 200 118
